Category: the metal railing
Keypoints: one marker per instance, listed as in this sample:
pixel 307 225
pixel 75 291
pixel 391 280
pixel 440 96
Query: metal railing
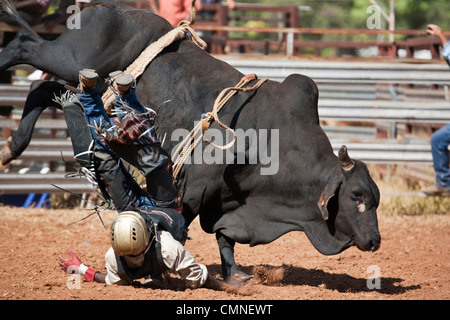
pixel 383 110
pixel 16 183
pixel 385 152
pixel 334 105
pixel 291 43
pixel 346 71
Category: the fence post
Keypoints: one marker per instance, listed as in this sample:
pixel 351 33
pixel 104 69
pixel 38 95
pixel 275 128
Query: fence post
pixel 290 43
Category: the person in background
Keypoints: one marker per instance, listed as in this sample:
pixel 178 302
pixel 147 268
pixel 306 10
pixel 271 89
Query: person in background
pixel 174 11
pixel 435 30
pixel 440 140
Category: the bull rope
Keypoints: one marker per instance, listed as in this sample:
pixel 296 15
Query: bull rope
pixel 138 66
pixel 185 148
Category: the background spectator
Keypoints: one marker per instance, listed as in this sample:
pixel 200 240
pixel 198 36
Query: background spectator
pixel 440 140
pixel 174 10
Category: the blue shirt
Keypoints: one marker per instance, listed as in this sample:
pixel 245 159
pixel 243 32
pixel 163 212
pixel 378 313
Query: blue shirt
pixel 446 51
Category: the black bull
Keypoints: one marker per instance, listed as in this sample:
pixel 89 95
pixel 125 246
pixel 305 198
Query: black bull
pixel 332 199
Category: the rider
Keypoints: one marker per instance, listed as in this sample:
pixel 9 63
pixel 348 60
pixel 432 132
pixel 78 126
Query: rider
pixel 140 247
pixel 132 139
pixel 146 237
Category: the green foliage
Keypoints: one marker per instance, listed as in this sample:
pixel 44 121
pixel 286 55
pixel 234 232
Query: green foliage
pixel 400 195
pixel 410 14
pixel 413 14
pixel 410 205
pixel 353 14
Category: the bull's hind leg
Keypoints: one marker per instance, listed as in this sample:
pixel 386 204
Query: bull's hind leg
pixel 229 268
pixel 41 96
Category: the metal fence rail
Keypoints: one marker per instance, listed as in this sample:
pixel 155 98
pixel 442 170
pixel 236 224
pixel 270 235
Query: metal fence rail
pixel 13 95
pixel 361 104
pixel 369 151
pixel 47 150
pixel 344 71
pixel 15 183
pixel 333 109
pixel 387 152
pixel 382 110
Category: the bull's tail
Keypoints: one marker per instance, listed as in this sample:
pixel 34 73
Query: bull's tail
pixel 9 9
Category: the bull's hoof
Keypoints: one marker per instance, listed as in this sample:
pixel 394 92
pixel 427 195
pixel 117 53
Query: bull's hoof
pixel 239 277
pixel 6 155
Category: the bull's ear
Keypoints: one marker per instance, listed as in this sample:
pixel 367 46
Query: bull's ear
pixel 329 192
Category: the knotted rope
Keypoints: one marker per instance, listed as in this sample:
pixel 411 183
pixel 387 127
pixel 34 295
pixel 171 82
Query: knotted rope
pixel 185 148
pixel 138 66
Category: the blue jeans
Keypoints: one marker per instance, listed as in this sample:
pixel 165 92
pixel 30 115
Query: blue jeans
pixel 149 158
pixel 440 141
pixel 95 112
pixel 131 100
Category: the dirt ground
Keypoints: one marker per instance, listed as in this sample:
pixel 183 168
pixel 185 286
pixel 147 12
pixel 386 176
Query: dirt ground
pixel 412 263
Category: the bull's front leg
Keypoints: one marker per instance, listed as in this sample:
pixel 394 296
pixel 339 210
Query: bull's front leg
pixel 229 268
pixel 40 97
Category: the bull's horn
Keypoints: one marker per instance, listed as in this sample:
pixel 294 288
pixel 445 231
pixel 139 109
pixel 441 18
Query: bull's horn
pixel 346 163
pixel 12 12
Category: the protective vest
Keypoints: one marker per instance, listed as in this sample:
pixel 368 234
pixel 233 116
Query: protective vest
pixel 153 263
pixel 157 219
pixel 167 219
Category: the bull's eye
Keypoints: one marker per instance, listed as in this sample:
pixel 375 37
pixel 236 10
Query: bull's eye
pixel 358 197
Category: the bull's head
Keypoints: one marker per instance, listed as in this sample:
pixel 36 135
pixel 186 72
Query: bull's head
pixel 349 202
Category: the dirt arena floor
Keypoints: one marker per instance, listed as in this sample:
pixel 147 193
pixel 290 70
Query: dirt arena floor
pixel 412 263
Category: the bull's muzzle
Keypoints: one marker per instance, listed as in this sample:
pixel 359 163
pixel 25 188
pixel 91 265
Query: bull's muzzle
pixel 371 244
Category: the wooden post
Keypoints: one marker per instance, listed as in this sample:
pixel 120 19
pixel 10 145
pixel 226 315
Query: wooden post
pixel 222 17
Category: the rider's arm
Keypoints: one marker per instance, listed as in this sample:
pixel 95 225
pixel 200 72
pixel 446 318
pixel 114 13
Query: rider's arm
pixel 74 265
